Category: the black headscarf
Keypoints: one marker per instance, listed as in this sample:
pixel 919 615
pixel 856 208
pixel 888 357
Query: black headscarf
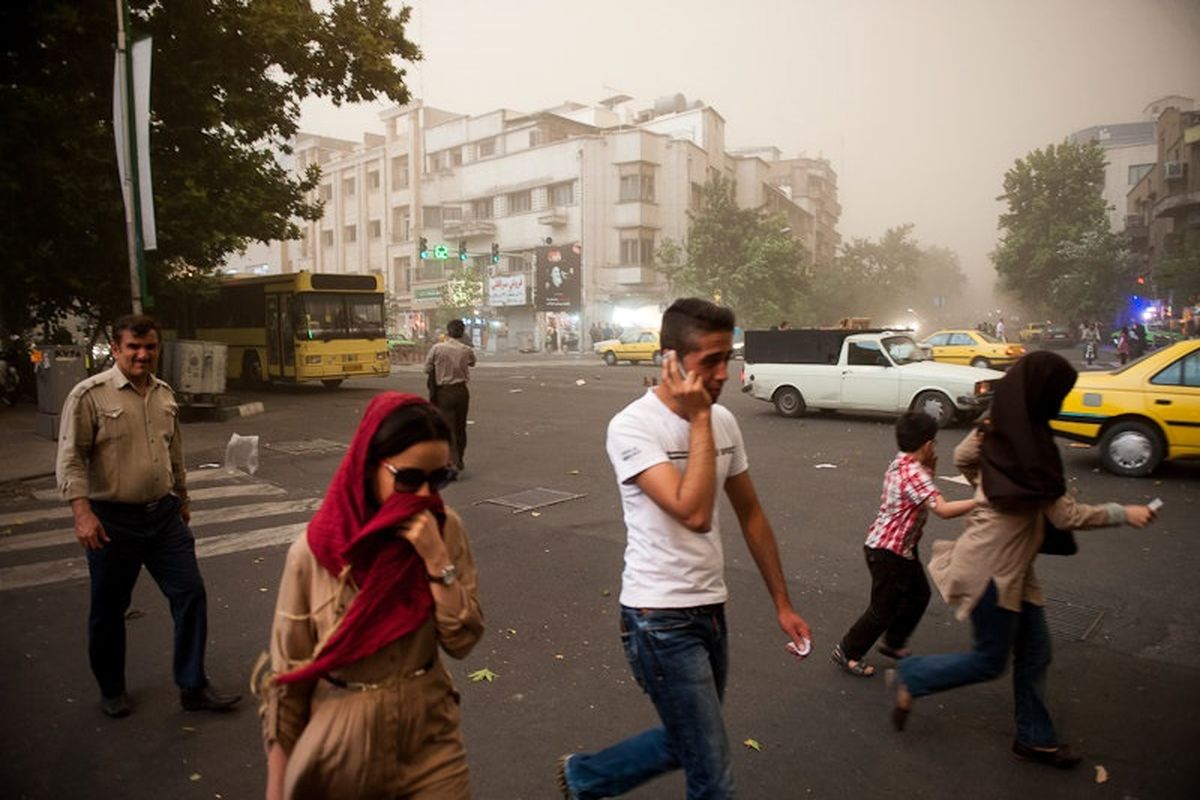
pixel 1021 464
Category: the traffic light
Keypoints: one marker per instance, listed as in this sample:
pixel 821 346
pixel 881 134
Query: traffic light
pixel 462 251
pixel 441 252
pixel 495 253
pixel 1141 280
pixel 424 248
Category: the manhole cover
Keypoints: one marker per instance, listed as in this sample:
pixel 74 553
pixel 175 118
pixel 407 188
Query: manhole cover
pixel 1071 620
pixel 307 447
pixel 531 499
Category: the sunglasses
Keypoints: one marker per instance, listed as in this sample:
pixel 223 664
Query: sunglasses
pixel 411 479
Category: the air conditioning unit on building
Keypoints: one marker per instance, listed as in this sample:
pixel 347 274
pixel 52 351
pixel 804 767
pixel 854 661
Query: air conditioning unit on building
pixel 1174 170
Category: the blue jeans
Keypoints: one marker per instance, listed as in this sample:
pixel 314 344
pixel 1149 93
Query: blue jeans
pixel 996 632
pixel 161 541
pixel 680 657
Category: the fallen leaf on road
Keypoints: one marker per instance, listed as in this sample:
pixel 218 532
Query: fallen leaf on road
pixel 606 593
pixel 484 674
pixel 195 776
pixel 753 745
pixel 1101 774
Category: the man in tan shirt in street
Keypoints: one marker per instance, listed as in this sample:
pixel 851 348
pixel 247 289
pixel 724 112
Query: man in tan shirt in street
pixel 448 366
pixel 120 466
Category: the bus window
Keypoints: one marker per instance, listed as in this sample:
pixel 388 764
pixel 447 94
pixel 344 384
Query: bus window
pixel 366 316
pixel 323 316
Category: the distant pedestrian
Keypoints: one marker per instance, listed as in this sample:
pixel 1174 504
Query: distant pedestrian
pixel 1123 345
pixel 1000 330
pixel 672 450
pixel 1143 344
pixel 448 368
pixel 899 590
pixel 551 339
pixel 355 701
pixel 120 466
pixel 987 573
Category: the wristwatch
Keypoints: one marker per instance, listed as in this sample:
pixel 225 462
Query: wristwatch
pixel 449 576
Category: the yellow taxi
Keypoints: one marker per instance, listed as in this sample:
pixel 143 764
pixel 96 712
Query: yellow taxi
pixel 973 347
pixel 633 346
pixel 1140 414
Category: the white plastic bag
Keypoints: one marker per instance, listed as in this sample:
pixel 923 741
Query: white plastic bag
pixel 242 453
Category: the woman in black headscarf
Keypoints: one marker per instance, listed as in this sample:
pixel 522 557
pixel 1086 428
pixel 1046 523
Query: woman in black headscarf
pixel 987 573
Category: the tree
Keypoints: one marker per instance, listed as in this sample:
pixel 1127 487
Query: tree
pixel 463 292
pixel 740 257
pixel 1177 272
pixel 228 78
pixel 1056 251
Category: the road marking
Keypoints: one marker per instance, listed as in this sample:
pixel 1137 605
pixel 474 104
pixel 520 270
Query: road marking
pixel 69 569
pixel 56 538
pixel 207 493
pixel 194 476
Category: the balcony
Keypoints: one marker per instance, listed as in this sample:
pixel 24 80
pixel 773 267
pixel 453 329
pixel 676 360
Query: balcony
pixel 1136 229
pixel 554 217
pixel 465 228
pixel 1178 205
pixel 633 275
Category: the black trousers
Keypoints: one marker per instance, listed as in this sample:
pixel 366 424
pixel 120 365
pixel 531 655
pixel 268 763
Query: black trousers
pixel 899 595
pixel 159 539
pixel 454 400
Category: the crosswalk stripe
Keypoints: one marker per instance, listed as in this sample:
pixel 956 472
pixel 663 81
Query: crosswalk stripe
pixel 194 476
pixel 55 538
pixel 27 575
pixel 63 511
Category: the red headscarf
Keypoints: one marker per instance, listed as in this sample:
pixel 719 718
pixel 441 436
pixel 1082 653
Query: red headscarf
pixel 393 591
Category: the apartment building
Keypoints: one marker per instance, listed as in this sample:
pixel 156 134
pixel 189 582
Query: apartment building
pixel 601 185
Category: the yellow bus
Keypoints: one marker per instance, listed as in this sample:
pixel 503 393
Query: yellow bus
pixel 304 326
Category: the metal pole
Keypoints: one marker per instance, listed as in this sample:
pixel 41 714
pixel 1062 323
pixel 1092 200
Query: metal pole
pixel 129 188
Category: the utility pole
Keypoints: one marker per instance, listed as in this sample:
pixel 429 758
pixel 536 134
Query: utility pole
pixel 129 187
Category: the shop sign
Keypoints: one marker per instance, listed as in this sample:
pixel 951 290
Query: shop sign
pixel 427 298
pixel 507 290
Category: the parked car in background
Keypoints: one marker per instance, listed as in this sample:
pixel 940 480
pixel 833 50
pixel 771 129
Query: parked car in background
pixel 1140 414
pixel 633 346
pixel 1054 335
pixel 979 349
pixel 1032 333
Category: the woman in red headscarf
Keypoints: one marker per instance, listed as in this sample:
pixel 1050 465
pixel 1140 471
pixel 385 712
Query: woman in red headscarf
pixel 356 702
pixel 987 573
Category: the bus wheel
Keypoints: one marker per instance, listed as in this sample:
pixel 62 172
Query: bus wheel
pixel 331 383
pixel 252 373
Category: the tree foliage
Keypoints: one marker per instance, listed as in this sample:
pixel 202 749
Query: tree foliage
pixel 883 278
pixel 1057 252
pixel 741 257
pixel 228 78
pixel 1177 273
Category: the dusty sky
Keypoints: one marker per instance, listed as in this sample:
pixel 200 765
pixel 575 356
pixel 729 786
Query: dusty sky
pixel 921 105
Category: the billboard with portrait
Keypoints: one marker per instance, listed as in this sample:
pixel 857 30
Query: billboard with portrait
pixel 559 278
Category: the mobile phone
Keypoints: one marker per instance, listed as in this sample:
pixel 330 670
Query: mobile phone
pixel 1155 504
pixel 674 356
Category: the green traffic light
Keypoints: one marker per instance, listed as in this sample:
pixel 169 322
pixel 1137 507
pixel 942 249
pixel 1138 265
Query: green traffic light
pixel 441 251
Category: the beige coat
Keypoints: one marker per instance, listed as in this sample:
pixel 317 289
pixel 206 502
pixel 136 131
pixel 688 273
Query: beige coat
pixel 395 730
pixel 1000 547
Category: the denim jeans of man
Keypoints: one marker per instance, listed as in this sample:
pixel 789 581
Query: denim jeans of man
pixel 680 658
pixel 161 541
pixel 997 632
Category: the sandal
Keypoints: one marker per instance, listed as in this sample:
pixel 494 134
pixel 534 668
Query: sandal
pixel 898 690
pixel 859 668
pixel 894 653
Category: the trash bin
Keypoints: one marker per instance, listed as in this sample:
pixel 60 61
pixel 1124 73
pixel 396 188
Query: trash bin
pixel 58 368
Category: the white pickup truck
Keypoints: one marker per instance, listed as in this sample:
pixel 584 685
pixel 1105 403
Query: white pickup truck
pixel 876 371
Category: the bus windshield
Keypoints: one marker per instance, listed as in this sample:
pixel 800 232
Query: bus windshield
pixel 325 315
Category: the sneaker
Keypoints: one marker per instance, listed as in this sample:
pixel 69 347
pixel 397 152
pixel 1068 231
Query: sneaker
pixel 116 707
pixel 1060 757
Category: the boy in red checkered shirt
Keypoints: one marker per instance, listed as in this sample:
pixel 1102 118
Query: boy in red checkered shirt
pixel 899 589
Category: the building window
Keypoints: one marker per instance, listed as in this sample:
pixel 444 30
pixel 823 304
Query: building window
pixel 401 265
pixel 400 224
pixel 520 202
pixel 482 209
pixel 326 192
pixel 1138 171
pixel 456 157
pixel 487 148
pixel 399 172
pixel 452 214
pixel 637 247
pixel 350 236
pixel 514 265
pixel 373 180
pixel 431 216
pixel 637 183
pixel 697 200
pixel 327 239
pixel 376 229
pixel 434 162
pixel 536 137
pixel 348 187
pixel 560 194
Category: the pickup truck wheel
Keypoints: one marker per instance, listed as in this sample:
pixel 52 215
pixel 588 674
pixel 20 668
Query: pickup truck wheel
pixel 610 358
pixel 1131 449
pixel 936 405
pixel 788 402
pixel 981 362
pixel 657 358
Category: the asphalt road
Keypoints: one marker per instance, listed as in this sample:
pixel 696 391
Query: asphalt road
pixel 1125 695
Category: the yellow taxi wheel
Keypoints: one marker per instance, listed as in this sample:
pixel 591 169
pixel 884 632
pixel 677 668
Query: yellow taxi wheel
pixel 1131 449
pixel 610 358
pixel 980 362
pixel 657 358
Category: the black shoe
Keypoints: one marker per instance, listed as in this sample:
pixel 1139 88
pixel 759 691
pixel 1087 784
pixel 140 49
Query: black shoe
pixel 116 707
pixel 1060 757
pixel 207 699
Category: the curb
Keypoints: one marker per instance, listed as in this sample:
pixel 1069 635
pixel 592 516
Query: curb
pixel 227 413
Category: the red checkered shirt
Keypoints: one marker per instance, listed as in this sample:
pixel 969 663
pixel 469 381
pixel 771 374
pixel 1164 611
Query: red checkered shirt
pixel 907 488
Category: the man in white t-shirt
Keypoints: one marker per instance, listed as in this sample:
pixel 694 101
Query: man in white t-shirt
pixel 671 450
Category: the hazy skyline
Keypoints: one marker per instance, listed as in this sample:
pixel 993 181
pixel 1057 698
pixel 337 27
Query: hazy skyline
pixel 920 105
